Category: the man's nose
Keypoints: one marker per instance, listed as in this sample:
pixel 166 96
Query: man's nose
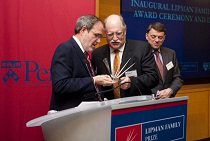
pixel 115 37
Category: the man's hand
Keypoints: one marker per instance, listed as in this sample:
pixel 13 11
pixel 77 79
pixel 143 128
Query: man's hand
pixel 126 85
pixel 165 93
pixel 104 80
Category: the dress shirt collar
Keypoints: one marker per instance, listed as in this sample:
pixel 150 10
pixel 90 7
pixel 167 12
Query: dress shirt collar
pixel 79 43
pixel 156 50
pixel 160 55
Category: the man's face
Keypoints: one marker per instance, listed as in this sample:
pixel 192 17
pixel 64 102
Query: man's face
pixel 115 35
pixel 93 37
pixel 155 38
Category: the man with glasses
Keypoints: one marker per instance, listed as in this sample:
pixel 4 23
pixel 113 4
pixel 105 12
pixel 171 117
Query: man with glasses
pixel 167 64
pixel 73 78
pixel 129 62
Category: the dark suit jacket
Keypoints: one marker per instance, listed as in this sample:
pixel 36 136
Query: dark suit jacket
pixel 171 76
pixel 140 53
pixel 71 80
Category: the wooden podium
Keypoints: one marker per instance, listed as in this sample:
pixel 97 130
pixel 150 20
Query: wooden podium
pixel 134 118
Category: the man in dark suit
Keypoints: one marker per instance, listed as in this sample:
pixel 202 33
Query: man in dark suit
pixel 169 73
pixel 141 77
pixel 73 78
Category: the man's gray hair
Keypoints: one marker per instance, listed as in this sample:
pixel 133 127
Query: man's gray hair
pixel 87 21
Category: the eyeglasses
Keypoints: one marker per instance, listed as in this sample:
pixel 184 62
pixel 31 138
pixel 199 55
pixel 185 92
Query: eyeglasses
pixel 119 34
pixel 161 38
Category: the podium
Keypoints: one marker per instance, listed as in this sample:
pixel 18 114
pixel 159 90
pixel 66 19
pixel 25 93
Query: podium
pixel 133 119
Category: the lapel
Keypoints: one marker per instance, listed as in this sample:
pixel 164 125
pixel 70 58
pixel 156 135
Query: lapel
pixel 81 57
pixel 127 54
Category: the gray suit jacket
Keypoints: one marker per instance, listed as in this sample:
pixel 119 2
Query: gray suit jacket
pixel 171 73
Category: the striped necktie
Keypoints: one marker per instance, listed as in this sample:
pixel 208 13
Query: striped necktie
pixel 87 55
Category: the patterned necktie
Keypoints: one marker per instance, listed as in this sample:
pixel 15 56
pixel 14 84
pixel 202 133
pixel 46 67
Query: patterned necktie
pixel 116 70
pixel 159 63
pixel 87 55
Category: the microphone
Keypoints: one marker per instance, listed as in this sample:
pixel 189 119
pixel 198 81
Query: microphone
pixel 106 63
pixel 97 90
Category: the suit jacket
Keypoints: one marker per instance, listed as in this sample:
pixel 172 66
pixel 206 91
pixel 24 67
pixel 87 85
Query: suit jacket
pixel 171 72
pixel 71 78
pixel 140 53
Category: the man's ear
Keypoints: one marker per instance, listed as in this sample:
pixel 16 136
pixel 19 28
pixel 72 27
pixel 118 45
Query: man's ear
pixel 83 29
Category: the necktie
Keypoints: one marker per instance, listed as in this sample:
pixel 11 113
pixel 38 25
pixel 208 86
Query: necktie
pixel 116 61
pixel 116 70
pixel 159 64
pixel 87 55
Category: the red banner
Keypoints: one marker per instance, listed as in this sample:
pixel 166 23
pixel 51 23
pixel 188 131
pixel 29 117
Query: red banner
pixel 30 30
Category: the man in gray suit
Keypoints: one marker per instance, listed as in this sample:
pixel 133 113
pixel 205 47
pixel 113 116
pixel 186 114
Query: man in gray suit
pixel 167 64
pixel 141 77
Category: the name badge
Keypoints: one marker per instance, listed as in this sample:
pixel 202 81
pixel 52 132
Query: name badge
pixel 132 73
pixel 169 66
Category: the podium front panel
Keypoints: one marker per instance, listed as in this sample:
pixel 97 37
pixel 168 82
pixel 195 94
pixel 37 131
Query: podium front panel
pixel 154 122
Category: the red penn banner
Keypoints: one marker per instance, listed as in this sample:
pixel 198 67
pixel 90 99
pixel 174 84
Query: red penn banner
pixel 30 30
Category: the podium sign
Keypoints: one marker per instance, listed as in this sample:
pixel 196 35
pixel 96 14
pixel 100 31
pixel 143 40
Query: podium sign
pixel 155 121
